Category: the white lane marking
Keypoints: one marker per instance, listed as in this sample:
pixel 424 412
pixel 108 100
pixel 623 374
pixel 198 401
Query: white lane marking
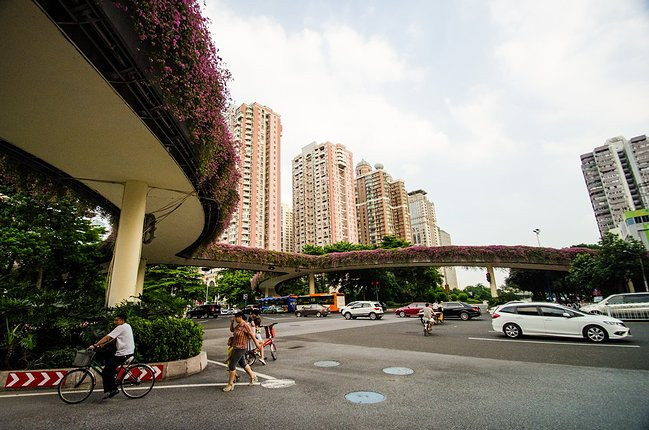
pixel 261 375
pixel 202 321
pixel 157 387
pixel 554 343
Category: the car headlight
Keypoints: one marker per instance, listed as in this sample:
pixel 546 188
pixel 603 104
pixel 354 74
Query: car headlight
pixel 614 323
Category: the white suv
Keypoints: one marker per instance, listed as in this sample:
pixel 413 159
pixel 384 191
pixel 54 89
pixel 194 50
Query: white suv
pixel 373 310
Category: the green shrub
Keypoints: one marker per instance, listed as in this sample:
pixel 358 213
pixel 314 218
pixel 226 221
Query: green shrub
pixel 463 297
pixel 442 297
pixel 166 339
pixel 453 297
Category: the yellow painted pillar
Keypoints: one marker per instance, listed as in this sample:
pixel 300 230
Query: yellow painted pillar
pixel 492 281
pixel 311 283
pixel 128 244
pixel 630 285
pixel 139 286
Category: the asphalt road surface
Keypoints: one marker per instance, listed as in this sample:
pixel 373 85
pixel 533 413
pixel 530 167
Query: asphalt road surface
pixel 464 377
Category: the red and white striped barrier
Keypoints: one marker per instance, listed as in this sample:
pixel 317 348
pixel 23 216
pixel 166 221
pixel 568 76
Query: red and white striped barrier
pixel 51 378
pixel 48 378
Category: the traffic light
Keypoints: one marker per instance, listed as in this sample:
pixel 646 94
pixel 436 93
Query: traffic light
pixel 488 277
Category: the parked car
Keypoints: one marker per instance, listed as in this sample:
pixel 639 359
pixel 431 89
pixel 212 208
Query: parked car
pixel 204 311
pixel 411 310
pixel 547 319
pixel 227 311
pixel 627 305
pixel 373 310
pixel 315 309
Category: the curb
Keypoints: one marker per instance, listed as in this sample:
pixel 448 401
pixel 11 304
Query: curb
pixel 168 370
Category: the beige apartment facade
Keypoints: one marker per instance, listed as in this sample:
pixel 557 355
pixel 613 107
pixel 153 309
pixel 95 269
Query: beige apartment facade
pixel 381 205
pixel 423 219
pixel 324 208
pixel 287 237
pixel 256 222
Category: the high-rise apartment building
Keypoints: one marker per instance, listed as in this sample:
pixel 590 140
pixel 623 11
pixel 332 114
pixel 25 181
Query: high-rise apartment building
pixel 450 276
pixel 381 205
pixel 288 243
pixel 617 178
pixel 257 132
pixel 324 207
pixel 423 219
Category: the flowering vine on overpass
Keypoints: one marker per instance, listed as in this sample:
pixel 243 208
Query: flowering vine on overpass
pixel 186 67
pixel 495 255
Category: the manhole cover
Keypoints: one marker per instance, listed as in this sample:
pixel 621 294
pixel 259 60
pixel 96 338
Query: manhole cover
pixel 326 363
pixel 278 383
pixel 365 397
pixel 398 371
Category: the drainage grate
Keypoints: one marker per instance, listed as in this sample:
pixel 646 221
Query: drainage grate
pixel 398 371
pixel 364 397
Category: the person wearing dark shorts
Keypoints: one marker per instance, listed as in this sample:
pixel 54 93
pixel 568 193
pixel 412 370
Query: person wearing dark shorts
pixel 241 332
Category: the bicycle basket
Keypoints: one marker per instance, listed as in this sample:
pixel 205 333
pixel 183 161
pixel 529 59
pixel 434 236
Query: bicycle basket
pixel 83 358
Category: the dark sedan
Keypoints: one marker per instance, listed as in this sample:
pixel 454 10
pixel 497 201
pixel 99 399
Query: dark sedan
pixel 317 310
pixel 204 311
pixel 459 310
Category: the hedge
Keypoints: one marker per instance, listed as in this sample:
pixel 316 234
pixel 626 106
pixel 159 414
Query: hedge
pixel 166 339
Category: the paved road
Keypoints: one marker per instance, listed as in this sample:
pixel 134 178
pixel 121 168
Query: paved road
pixel 457 383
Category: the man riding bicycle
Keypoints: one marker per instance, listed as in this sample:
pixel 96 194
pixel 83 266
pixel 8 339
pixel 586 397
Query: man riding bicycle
pixel 122 334
pixel 427 316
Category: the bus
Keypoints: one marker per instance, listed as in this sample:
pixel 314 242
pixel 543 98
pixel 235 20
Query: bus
pixel 279 304
pixel 334 301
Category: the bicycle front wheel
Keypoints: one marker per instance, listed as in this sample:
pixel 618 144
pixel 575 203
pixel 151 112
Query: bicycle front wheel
pixel 273 351
pixel 76 386
pixel 138 381
pixel 250 358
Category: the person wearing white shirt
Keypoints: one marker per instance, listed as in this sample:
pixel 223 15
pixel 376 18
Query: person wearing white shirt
pixel 122 335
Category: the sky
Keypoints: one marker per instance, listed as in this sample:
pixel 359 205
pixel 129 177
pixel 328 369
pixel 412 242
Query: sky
pixel 487 106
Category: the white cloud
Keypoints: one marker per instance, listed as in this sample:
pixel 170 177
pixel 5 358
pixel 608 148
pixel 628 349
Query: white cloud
pixel 327 85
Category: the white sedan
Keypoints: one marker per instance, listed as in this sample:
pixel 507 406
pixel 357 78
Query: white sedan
pixel 546 319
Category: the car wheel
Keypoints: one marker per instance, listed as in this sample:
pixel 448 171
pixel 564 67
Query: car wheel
pixel 464 316
pixel 298 314
pixel 512 330
pixel 595 333
pixel 372 316
pixel 318 314
pixel 348 316
pixel 402 314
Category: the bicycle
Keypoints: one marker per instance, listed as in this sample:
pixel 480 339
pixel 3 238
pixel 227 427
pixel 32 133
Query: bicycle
pixel 136 380
pixel 252 353
pixel 428 327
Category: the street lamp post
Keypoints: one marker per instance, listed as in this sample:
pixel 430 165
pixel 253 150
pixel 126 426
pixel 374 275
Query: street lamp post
pixel 537 232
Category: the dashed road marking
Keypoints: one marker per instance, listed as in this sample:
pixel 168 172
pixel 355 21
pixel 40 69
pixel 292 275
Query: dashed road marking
pixel 554 343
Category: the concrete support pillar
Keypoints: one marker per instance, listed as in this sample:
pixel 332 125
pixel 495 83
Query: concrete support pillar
pixel 311 283
pixel 492 281
pixel 128 244
pixel 139 286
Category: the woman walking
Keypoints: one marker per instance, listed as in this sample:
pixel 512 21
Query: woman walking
pixel 241 332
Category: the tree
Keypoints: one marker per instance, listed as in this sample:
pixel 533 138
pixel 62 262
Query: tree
pixel 233 284
pixel 51 277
